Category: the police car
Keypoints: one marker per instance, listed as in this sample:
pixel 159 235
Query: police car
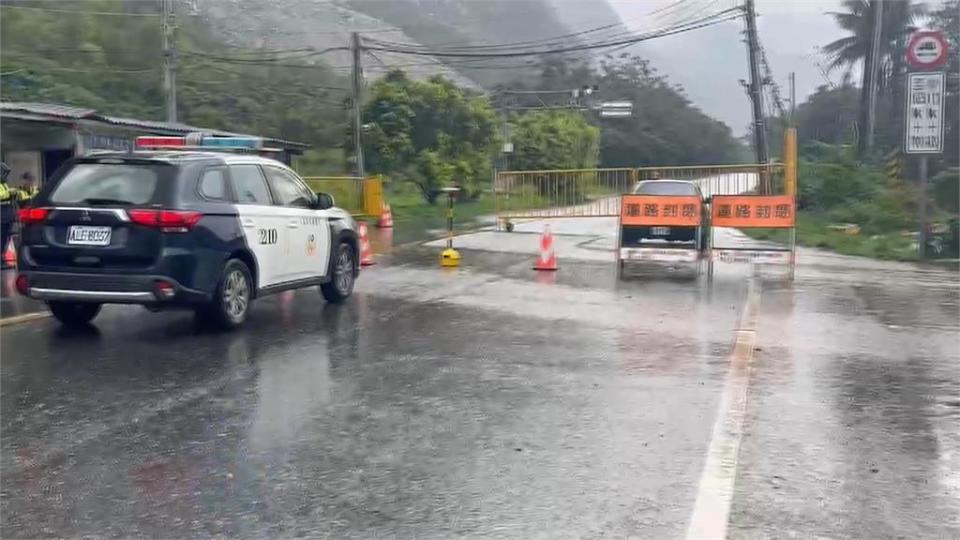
pixel 173 224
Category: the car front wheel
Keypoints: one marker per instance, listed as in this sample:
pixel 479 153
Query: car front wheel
pixel 342 274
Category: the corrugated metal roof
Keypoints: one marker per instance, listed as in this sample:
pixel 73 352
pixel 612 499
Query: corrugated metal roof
pixel 49 109
pixel 175 128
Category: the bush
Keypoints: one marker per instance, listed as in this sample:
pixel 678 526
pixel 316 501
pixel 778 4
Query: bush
pixel 825 185
pixel 945 190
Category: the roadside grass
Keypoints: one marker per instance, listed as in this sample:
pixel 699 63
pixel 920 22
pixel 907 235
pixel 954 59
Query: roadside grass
pixel 412 207
pixel 813 231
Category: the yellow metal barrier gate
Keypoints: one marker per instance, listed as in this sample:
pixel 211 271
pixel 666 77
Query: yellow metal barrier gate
pixel 561 193
pixel 596 192
pixel 359 196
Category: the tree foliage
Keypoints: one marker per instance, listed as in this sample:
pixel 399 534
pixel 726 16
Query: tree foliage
pixel 947 20
pixel 828 116
pixel 113 64
pixel 899 18
pixel 430 133
pixel 665 128
pixel 898 21
pixel 554 140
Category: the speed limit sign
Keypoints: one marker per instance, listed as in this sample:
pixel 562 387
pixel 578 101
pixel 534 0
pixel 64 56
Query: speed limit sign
pixel 927 50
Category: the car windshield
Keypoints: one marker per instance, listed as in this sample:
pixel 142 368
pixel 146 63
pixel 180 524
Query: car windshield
pixel 107 183
pixel 665 187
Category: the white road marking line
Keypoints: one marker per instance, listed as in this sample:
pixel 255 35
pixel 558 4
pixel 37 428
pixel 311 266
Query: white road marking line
pixel 711 512
pixel 26 317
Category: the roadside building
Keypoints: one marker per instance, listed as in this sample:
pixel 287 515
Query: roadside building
pixel 37 138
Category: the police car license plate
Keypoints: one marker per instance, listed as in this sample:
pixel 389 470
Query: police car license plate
pixel 89 236
pixel 660 231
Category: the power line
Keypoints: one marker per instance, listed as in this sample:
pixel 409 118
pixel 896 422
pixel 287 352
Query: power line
pixel 239 74
pixel 710 20
pixel 512 45
pixel 771 82
pixel 265 61
pixel 87 70
pixel 81 12
pixel 667 8
pixel 560 40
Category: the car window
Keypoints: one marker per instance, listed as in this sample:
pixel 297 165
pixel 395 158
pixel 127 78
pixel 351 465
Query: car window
pixel 288 188
pixel 665 187
pixel 249 185
pixel 213 184
pixel 103 183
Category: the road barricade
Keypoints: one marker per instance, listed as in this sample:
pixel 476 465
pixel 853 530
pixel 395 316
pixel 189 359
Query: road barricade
pixel 660 228
pixel 754 212
pixel 576 193
pixel 359 196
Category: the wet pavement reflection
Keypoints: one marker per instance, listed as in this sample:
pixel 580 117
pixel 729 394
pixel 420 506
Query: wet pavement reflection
pixel 855 423
pixel 489 401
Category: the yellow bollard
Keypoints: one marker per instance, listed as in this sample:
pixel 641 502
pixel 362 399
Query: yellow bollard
pixel 450 258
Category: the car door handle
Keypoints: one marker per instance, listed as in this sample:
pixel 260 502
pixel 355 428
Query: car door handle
pixel 293 224
pixel 248 223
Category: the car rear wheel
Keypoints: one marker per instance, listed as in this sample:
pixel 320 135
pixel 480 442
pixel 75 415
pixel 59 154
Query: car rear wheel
pixel 342 274
pixel 232 297
pixel 74 313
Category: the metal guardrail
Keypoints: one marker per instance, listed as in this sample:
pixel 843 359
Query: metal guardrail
pixel 359 196
pixel 596 192
pixel 561 193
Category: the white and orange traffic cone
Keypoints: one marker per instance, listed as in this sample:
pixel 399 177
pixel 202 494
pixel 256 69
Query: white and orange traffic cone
pixel 366 252
pixel 386 217
pixel 547 259
pixel 10 255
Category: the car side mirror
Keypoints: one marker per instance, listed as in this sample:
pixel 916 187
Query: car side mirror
pixel 324 201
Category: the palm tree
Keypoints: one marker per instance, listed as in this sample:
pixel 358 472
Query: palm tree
pixel 847 52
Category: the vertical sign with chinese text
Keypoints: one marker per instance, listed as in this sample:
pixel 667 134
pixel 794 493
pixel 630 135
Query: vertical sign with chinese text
pixel 924 125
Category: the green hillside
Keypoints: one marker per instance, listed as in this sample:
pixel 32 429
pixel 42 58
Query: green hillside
pixel 106 55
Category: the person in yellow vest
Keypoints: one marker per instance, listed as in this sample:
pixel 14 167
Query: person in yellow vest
pixel 8 209
pixel 28 188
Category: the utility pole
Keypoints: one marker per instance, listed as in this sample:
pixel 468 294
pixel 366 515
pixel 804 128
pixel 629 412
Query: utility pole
pixel 357 50
pixel 793 99
pixel 872 66
pixel 168 27
pixel 756 85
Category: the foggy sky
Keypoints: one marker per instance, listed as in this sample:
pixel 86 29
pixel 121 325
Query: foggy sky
pixel 710 61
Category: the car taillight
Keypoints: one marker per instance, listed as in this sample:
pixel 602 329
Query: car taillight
pixel 29 216
pixel 165 220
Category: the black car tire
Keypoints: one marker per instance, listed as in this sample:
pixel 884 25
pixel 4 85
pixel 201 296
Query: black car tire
pixel 232 298
pixel 73 313
pixel 342 274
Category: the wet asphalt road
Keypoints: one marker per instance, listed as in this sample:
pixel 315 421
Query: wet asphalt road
pixel 490 402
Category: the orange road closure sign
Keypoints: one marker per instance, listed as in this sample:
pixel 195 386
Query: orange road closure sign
pixel 753 211
pixel 660 210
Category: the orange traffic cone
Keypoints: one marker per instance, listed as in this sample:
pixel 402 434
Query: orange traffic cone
pixel 10 254
pixel 366 252
pixel 386 217
pixel 547 259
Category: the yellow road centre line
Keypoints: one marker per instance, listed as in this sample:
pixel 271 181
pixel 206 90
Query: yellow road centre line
pixel 711 512
pixel 26 317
